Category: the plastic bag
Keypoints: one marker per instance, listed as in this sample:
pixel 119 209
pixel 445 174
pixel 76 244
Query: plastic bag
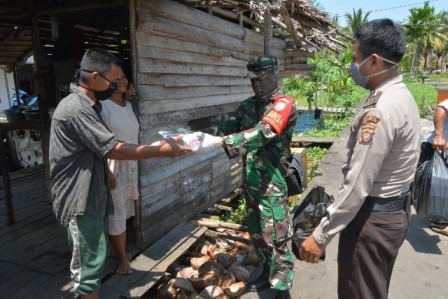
pixel 295 175
pixel 421 187
pixel 438 199
pixel 430 188
pixel 307 216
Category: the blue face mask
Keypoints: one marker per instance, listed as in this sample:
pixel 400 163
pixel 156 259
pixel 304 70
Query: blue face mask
pixel 362 80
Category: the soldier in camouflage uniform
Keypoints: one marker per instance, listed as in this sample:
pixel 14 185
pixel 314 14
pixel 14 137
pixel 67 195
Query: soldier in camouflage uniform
pixel 253 130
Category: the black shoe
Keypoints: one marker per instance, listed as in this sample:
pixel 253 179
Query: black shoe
pixel 283 295
pixel 260 283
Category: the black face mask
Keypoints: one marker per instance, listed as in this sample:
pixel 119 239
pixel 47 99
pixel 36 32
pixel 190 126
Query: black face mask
pixel 105 94
pixel 102 95
pixel 265 86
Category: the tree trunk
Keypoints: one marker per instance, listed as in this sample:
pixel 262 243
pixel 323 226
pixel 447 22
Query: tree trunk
pixel 413 60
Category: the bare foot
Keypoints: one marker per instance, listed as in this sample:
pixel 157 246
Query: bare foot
pixel 124 267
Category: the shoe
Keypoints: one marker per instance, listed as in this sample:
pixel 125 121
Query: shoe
pixel 440 230
pixel 261 283
pixel 283 295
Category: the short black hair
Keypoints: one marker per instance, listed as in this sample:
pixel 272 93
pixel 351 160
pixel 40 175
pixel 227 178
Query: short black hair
pixel 98 60
pixel 383 37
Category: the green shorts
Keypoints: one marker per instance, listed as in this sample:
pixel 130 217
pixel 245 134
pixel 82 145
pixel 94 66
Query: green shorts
pixel 88 239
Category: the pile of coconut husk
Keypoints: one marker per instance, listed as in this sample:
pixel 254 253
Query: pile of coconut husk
pixel 219 265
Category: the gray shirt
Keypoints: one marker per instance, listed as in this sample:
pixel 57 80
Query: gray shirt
pixel 383 150
pixel 79 141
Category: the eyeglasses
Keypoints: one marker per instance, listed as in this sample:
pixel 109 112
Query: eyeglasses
pixel 102 76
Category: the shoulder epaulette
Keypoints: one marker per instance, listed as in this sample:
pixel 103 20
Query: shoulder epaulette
pixel 372 99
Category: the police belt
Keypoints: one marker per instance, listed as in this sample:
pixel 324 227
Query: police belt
pixel 388 204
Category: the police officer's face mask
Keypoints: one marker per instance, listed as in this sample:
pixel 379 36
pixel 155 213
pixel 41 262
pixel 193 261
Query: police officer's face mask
pixel 362 80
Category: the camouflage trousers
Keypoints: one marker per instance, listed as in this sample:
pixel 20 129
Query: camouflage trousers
pixel 269 225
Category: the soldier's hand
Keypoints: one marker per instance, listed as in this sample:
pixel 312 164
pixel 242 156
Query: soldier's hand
pixel 311 251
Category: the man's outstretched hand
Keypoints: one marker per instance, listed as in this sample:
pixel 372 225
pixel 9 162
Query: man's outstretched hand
pixel 171 148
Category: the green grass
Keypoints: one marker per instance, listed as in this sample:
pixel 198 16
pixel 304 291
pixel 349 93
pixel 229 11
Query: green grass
pixel 424 94
pixel 333 125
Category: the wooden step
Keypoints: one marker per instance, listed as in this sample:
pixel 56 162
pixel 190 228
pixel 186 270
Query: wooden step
pixel 151 265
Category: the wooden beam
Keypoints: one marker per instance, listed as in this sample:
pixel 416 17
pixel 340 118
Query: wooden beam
pixel 300 66
pixel 323 140
pixel 267 32
pixel 217 224
pixel 336 41
pixel 65 9
pixel 345 35
pixel 299 53
pixel 295 73
pixel 243 19
pixel 194 17
pixel 290 26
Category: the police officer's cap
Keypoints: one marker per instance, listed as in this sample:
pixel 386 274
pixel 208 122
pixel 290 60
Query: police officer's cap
pixel 262 64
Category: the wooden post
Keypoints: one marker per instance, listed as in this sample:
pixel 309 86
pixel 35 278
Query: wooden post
pixel 16 83
pixel 41 76
pixel 6 183
pixel 267 32
pixel 12 150
pixel 133 27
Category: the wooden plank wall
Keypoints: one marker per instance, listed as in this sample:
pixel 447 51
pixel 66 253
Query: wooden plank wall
pixel 190 65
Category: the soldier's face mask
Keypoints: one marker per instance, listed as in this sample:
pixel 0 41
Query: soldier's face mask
pixel 264 85
pixel 362 80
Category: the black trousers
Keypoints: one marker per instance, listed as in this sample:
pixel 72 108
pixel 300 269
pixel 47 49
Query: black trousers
pixel 368 248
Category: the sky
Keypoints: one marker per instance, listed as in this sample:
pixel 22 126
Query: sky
pixel 397 10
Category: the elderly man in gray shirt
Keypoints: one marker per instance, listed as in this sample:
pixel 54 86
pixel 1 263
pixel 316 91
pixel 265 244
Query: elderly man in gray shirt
pixel 79 145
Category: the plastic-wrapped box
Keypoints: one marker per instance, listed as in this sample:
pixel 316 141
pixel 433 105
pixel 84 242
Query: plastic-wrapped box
pixel 198 141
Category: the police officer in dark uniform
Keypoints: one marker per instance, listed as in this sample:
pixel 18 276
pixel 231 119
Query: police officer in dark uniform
pixel 372 208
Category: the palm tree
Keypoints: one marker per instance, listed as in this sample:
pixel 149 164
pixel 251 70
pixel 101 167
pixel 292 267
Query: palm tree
pixel 316 4
pixel 427 30
pixel 441 49
pixel 356 19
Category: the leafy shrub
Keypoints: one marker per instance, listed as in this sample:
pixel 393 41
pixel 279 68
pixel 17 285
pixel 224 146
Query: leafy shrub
pixel 329 86
pixel 425 96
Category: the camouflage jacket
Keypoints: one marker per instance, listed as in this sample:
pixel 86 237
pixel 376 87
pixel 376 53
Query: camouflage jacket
pixel 264 150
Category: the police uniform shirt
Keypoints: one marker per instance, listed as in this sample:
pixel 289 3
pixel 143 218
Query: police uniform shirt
pixel 383 150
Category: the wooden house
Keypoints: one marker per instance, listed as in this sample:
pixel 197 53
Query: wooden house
pixel 188 61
